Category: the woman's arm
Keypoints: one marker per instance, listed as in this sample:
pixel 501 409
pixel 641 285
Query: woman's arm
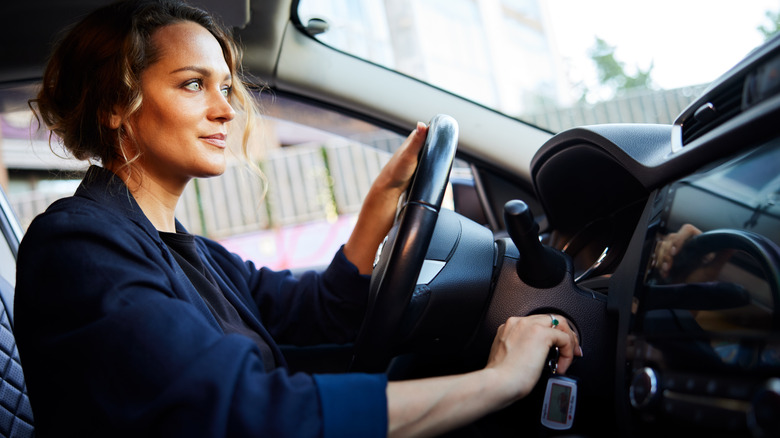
pixel 116 343
pixel 428 407
pixel 378 210
pixel 335 301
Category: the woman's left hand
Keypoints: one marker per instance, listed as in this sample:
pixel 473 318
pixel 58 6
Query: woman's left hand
pixel 378 211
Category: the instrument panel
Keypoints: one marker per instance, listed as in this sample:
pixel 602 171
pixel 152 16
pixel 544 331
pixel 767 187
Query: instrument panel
pixel 704 349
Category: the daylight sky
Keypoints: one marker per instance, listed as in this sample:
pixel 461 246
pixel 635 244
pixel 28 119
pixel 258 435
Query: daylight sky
pixel 689 41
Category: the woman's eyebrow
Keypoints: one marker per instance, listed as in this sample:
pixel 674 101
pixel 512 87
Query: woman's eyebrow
pixel 200 70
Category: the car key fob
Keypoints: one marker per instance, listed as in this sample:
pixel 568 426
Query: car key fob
pixel 560 397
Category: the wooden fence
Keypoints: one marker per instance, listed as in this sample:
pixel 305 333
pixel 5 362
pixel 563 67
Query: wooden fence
pixel 301 184
pixel 646 106
pixel 305 183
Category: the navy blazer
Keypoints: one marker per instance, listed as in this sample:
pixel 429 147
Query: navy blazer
pixel 115 340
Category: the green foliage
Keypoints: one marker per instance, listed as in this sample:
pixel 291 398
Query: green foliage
pixel 612 72
pixel 770 29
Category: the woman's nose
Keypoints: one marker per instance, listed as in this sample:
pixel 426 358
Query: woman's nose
pixel 221 109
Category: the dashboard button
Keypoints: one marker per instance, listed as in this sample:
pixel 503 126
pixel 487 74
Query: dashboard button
pixel 644 388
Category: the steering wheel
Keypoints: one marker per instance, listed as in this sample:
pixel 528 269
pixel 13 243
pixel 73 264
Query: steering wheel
pixel 764 252
pixel 400 257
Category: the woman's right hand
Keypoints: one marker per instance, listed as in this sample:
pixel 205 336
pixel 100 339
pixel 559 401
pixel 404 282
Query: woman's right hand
pixel 668 247
pixel 432 406
pixel 521 347
pixel 379 208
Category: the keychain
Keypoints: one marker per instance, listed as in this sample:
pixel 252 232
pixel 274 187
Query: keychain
pixel 560 397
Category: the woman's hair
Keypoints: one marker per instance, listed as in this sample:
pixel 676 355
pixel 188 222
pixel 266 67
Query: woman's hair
pixel 95 72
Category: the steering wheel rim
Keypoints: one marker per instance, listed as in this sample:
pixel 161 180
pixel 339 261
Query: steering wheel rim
pixel 763 251
pixel 401 255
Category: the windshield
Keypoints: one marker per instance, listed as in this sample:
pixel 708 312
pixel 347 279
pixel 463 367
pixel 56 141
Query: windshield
pixel 553 63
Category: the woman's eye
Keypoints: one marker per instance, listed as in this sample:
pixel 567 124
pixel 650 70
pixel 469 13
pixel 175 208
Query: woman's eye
pixel 193 86
pixel 226 91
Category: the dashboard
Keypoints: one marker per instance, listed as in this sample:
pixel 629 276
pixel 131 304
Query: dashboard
pixel 702 344
pixel 679 227
pixel 659 244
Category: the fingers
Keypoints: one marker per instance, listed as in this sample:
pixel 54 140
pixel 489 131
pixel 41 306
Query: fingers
pixel 419 133
pixel 688 231
pixel 563 336
pixel 397 173
pixel 380 204
pixel 669 246
pixel 664 254
pixel 408 152
pixel 520 349
pixel 568 346
pixel 411 146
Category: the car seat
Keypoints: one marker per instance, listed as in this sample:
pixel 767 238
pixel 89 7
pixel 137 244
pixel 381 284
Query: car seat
pixel 16 419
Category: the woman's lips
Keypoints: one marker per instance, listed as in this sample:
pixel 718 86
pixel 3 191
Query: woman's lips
pixel 218 140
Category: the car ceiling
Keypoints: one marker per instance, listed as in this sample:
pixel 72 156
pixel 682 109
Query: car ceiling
pixel 25 46
pixel 281 56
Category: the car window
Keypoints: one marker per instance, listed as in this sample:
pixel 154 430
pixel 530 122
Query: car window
pixel 316 167
pixel 555 63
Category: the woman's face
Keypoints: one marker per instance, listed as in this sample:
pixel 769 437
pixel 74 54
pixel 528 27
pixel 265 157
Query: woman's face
pixel 181 127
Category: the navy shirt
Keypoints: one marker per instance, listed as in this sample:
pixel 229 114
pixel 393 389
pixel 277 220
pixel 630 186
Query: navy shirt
pixel 182 246
pixel 116 341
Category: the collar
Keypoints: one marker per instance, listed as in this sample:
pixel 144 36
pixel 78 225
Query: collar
pixel 107 189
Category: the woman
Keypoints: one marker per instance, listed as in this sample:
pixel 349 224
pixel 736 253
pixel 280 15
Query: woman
pixel 129 326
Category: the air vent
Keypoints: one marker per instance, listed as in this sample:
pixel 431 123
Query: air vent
pixel 724 105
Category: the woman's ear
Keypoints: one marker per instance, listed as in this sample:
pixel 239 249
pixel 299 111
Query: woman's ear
pixel 114 120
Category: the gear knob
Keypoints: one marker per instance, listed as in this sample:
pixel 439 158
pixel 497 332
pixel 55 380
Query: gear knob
pixel 539 266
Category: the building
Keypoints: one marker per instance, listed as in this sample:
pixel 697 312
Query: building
pixel 476 48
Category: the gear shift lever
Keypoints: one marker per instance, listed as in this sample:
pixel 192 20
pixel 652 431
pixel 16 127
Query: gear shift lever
pixel 539 266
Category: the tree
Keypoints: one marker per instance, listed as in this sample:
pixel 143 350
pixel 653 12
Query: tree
pixel 769 30
pixel 612 74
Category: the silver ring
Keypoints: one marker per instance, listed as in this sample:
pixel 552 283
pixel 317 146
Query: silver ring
pixel 554 323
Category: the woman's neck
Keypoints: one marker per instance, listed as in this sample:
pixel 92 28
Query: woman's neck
pixel 157 199
pixel 159 206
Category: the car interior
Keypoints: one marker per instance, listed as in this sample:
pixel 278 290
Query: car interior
pixel 574 222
